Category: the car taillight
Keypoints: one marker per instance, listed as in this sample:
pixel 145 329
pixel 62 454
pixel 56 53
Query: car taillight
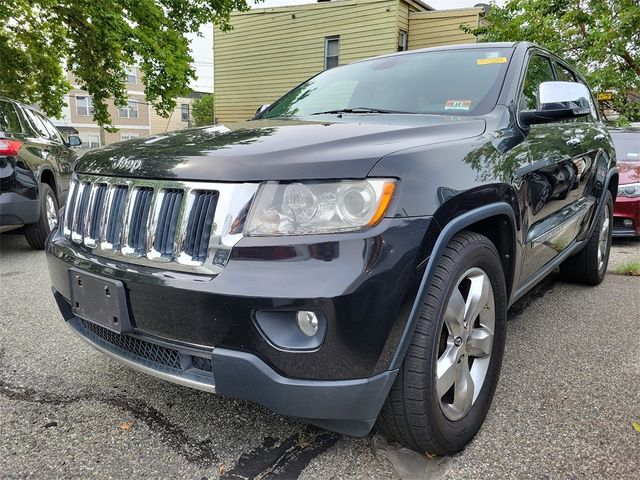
pixel 10 147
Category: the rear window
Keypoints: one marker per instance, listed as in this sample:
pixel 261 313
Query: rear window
pixel 627 145
pixel 9 121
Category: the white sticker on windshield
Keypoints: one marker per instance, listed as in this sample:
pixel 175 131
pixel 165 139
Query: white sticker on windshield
pixel 458 105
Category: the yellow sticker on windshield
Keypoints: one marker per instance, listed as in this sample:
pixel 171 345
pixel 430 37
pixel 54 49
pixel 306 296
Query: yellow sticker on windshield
pixel 491 61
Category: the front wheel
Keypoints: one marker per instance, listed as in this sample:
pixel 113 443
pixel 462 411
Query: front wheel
pixel 589 266
pixel 445 386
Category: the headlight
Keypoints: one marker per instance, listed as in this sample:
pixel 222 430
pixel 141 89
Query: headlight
pixel 629 190
pixel 318 206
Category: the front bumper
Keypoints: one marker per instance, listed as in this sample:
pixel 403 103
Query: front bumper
pixel 626 208
pixel 346 406
pixel 363 284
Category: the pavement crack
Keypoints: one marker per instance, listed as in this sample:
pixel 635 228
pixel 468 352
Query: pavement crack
pixel 169 433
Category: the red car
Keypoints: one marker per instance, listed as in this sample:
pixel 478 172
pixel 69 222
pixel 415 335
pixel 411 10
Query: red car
pixel 626 213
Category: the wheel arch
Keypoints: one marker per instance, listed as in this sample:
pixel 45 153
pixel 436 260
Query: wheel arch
pixel 48 176
pixel 481 220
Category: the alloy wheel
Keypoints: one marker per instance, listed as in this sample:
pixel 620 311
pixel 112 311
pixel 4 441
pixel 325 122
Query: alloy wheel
pixel 604 238
pixel 51 212
pixel 466 342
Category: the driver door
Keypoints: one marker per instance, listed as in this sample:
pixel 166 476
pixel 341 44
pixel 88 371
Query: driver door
pixel 549 177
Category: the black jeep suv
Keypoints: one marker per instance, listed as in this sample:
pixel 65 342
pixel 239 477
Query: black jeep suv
pixel 35 166
pixel 350 254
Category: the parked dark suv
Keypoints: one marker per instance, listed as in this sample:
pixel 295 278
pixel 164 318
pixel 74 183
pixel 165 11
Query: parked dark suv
pixel 35 166
pixel 348 256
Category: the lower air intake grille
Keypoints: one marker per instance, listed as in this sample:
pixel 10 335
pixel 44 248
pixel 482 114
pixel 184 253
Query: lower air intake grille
pixel 201 363
pixel 149 351
pixel 196 241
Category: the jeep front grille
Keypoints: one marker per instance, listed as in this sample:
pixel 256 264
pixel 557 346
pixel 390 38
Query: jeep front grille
pixel 156 221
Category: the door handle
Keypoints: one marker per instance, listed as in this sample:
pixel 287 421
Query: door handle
pixel 600 136
pixel 572 142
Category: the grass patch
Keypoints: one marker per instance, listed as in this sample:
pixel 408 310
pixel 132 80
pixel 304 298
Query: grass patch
pixel 629 268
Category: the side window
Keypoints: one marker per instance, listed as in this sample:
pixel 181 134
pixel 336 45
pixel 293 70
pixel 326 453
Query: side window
pixel 563 74
pixel 592 104
pixel 9 120
pixel 538 71
pixel 36 123
pixel 54 134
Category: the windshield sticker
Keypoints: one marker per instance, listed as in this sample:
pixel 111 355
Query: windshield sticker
pixel 491 61
pixel 458 105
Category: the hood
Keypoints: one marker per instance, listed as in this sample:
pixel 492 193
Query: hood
pixel 275 149
pixel 629 172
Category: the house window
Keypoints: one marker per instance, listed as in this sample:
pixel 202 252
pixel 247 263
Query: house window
pixel 403 41
pixel 130 111
pixel 184 110
pixel 128 136
pixel 90 140
pixel 84 106
pixel 331 52
pixel 132 75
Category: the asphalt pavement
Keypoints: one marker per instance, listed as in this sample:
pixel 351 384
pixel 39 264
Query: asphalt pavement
pixel 568 397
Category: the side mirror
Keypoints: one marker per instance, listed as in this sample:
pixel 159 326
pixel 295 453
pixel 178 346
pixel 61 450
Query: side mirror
pixel 558 101
pixel 74 141
pixel 261 109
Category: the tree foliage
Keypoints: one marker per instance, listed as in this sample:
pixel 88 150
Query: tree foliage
pixel 600 37
pixel 97 40
pixel 203 110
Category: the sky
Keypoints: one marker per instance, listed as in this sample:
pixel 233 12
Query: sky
pixel 202 46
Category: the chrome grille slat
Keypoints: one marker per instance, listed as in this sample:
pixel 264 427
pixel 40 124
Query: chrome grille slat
pixel 93 216
pixel 135 236
pixel 183 225
pixel 79 212
pixel 114 221
pixel 71 203
pixel 199 224
pixel 166 222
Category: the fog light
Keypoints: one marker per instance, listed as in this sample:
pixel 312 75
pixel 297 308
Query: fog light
pixel 628 223
pixel 307 323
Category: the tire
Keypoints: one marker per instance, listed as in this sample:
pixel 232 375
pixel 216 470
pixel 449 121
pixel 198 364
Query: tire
pixel 37 233
pixel 589 266
pixel 414 414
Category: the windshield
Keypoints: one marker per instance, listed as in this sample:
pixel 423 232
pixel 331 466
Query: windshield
pixel 627 145
pixel 451 82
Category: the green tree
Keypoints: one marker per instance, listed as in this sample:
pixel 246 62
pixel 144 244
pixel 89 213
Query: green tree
pixel 600 37
pixel 202 110
pixel 97 41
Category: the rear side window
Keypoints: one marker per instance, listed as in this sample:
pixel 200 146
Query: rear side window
pixel 54 134
pixel 538 71
pixel 9 121
pixel 36 123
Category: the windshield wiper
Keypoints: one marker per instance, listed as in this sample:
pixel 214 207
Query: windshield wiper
pixel 358 110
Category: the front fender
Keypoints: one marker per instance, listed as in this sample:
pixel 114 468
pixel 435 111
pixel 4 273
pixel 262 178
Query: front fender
pixel 454 226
